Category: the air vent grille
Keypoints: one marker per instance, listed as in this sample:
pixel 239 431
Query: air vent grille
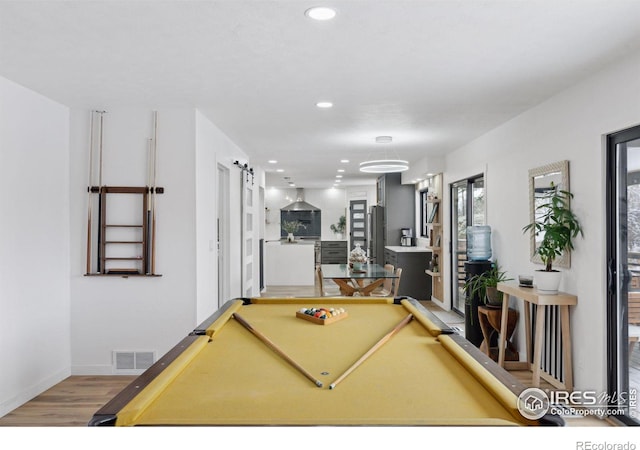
pixel 132 361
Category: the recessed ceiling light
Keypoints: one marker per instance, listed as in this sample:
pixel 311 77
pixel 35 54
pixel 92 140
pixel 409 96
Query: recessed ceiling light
pixel 279 170
pixel 340 170
pixel 338 176
pixel 320 13
pixel 344 161
pixel 338 181
pixel 273 161
pixel 324 105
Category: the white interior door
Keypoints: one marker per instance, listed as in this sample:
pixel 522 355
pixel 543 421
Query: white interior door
pixel 248 234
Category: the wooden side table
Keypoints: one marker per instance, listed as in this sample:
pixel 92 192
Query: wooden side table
pixel 531 295
pixel 490 321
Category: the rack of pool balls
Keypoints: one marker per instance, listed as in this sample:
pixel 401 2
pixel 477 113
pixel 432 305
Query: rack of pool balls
pixel 322 316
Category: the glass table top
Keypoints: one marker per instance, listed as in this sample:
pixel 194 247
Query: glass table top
pixel 344 271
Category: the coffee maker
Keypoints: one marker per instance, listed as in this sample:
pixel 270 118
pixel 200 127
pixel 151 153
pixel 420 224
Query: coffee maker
pixel 406 238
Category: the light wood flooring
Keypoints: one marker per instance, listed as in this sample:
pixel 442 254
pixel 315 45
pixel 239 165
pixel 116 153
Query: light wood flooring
pixel 73 402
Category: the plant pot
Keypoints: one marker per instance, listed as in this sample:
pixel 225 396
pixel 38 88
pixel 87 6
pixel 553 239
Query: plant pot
pixel 547 282
pixel 472 329
pixel 493 297
pixel 357 266
pixel 290 237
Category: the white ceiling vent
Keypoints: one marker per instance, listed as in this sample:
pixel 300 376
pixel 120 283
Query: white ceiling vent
pixel 132 362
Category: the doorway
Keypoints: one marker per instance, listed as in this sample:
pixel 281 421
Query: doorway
pixel 358 233
pixel 467 209
pixel 222 235
pixel 623 273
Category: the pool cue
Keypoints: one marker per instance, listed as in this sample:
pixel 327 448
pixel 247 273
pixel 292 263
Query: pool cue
pixel 147 247
pixel 275 348
pixel 89 209
pixel 372 350
pixel 153 198
pixel 101 232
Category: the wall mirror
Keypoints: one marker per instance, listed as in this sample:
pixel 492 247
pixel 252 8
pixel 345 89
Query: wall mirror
pixel 540 182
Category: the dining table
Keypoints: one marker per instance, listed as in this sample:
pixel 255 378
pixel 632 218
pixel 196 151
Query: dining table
pixel 362 281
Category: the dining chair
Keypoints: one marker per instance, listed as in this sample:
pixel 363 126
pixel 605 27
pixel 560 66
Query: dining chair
pixel 326 293
pixel 396 281
pixel 386 289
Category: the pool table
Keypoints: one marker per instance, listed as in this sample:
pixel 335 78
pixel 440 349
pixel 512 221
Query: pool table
pixel 222 373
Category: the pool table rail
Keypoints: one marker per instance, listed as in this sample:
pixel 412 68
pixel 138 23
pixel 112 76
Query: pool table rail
pixel 107 415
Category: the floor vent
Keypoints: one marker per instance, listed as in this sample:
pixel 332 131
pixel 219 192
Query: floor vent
pixel 132 362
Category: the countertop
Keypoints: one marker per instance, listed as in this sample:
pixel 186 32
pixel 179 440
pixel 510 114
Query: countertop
pixel 401 249
pixel 296 242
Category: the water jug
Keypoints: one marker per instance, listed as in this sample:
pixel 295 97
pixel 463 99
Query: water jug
pixel 479 243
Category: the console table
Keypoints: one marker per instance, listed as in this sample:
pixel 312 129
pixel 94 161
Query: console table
pixel 532 296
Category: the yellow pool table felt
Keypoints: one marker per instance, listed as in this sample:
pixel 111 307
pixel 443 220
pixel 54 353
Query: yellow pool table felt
pixel 229 377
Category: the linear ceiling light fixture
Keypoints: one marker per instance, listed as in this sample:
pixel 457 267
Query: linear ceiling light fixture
pixel 384 165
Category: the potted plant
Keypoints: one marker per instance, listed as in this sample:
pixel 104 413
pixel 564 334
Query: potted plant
pixel 291 227
pixel 340 227
pixel 484 285
pixel 558 226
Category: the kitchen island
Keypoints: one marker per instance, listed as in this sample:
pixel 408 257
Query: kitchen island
pixel 289 264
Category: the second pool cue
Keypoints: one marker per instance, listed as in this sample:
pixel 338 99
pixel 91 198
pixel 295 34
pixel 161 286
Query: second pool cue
pixel 154 190
pixel 89 199
pixel 372 350
pixel 275 348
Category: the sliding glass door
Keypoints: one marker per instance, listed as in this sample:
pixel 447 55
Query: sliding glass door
pixel 623 256
pixel 467 208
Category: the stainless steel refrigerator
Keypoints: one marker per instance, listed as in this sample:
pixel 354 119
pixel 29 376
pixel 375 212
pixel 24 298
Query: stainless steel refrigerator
pixel 376 234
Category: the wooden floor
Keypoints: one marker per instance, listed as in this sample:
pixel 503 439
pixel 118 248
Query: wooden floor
pixel 73 402
pixel 70 403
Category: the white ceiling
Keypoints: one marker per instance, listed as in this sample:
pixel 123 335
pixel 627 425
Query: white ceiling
pixel 432 74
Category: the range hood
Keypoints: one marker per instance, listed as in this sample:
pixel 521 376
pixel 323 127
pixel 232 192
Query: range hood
pixel 300 204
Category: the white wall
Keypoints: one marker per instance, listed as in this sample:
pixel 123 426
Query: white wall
pixel 34 244
pixel 570 126
pixel 137 313
pixel 214 148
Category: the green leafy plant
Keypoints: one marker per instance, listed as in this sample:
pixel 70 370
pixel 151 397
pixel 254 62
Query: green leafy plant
pixel 292 226
pixel 341 226
pixel 478 284
pixel 558 224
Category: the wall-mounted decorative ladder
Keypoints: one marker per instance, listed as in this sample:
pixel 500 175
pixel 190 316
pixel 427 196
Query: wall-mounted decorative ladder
pixel 124 243
pixel 138 238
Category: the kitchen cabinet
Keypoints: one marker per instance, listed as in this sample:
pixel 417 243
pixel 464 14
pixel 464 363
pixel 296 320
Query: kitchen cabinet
pixel 331 252
pixel 413 261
